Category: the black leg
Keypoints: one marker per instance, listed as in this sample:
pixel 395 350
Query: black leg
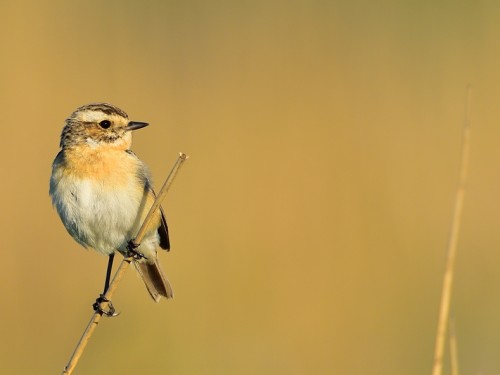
pixel 97 305
pixel 108 272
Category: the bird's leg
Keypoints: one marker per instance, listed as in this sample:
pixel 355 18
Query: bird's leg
pixel 132 252
pixel 97 304
pixel 108 272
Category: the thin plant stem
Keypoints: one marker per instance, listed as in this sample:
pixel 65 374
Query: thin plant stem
pixel 96 317
pixel 444 310
pixel 453 348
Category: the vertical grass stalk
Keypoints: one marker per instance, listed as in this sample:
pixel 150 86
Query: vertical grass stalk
pixel 444 310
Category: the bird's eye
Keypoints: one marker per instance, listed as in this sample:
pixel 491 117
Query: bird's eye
pixel 105 124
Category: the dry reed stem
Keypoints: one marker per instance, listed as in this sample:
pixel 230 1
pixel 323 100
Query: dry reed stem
pixel 453 348
pixel 444 310
pixel 82 343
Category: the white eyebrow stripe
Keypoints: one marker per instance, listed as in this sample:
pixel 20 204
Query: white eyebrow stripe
pixel 92 116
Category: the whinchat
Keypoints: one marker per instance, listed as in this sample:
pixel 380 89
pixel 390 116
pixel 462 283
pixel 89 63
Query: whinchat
pixel 102 191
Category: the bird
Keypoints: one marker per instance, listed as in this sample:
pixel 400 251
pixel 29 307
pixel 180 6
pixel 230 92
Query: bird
pixel 102 192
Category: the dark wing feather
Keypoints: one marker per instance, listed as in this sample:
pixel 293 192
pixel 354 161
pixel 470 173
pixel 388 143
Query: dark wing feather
pixel 163 232
pixel 163 229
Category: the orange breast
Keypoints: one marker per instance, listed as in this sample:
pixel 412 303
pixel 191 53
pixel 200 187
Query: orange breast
pixel 107 165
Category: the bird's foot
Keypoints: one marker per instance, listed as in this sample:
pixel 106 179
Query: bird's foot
pixel 110 312
pixel 132 251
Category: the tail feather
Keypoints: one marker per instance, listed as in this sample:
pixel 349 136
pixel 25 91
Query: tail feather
pixel 154 279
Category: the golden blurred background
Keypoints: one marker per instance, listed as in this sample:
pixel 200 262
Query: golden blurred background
pixel 310 224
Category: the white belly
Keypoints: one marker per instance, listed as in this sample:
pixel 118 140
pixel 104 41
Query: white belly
pixel 97 216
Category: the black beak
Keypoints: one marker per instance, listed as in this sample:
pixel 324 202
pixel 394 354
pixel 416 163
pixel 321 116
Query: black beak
pixel 134 125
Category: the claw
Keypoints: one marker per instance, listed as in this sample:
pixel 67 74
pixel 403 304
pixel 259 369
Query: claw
pixel 132 252
pixel 110 312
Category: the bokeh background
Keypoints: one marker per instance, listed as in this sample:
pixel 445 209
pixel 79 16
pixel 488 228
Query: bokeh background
pixel 310 224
